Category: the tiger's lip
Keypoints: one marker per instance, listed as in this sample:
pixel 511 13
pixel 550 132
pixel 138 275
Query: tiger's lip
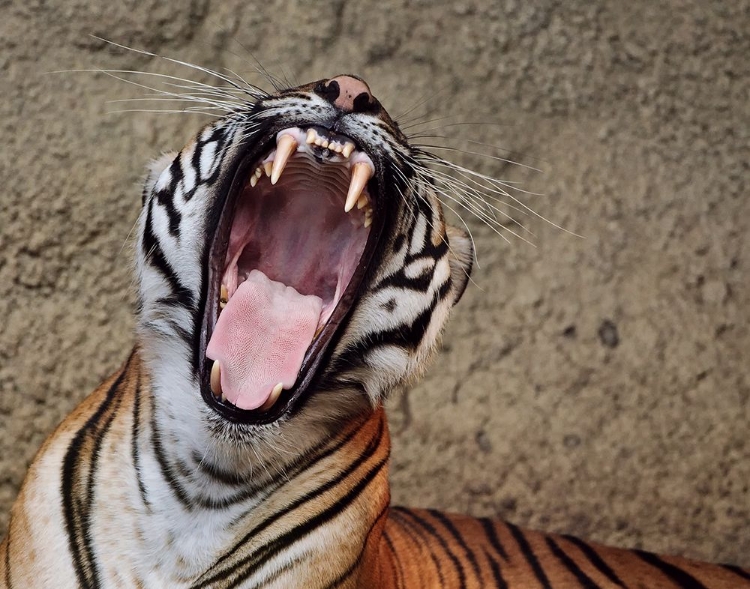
pixel 321 347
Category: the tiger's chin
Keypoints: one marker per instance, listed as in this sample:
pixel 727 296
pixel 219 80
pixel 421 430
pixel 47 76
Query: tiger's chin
pixel 294 240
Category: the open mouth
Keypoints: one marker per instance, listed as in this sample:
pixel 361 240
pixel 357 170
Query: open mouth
pixel 284 269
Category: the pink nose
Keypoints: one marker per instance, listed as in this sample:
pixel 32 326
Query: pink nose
pixel 349 94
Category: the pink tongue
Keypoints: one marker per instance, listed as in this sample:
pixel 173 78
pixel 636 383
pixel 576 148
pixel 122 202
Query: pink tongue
pixel 261 337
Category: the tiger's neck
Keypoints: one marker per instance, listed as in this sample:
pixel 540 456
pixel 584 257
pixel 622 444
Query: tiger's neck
pixel 220 509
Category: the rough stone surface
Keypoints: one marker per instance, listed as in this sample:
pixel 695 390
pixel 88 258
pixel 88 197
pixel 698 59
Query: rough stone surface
pixel 598 385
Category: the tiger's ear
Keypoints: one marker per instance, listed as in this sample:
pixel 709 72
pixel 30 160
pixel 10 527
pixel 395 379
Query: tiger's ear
pixel 154 170
pixel 461 259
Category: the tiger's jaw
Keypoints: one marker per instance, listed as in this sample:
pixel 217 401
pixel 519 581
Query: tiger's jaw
pixel 294 241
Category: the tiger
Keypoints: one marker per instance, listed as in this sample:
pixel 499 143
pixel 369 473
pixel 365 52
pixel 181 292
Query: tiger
pixel 294 266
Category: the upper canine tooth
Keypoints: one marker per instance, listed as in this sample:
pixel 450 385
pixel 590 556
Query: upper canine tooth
pixel 348 149
pixel 361 173
pixel 275 393
pixel 311 135
pixel 286 145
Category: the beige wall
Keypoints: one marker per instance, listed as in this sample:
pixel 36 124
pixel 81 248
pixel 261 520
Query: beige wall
pixel 637 113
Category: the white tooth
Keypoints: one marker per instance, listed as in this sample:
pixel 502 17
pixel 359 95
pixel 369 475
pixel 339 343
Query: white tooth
pixel 216 379
pixel 258 172
pixel 318 141
pixel 275 393
pixel 361 173
pixel 362 201
pixel 368 222
pixel 311 134
pixel 267 167
pixel 286 145
pixel 253 181
pixel 348 149
pixel 325 143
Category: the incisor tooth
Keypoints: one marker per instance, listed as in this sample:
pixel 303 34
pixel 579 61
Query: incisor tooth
pixel 348 149
pixel 268 167
pixel 285 147
pixel 253 181
pixel 275 393
pixel 362 201
pixel 368 222
pixel 361 173
pixel 216 379
pixel 311 134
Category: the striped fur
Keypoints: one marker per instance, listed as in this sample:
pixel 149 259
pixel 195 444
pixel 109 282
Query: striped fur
pixel 145 486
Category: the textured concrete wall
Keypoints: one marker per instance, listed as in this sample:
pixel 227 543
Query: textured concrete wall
pixel 598 386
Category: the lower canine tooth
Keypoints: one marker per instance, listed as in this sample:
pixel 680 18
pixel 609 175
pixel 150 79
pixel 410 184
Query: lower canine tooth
pixel 216 379
pixel 275 394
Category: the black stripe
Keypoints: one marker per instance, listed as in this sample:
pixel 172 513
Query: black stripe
pixel 75 508
pixel 497 576
pixel 429 528
pixel 742 573
pixel 398 570
pixel 681 578
pixel 166 469
pixel 358 560
pixel 154 254
pixel 491 532
pixel 417 536
pixel 8 581
pixel 528 553
pixel 585 581
pixel 405 335
pixel 295 534
pixel 595 560
pixel 166 199
pixel 450 526
pixel 135 449
pixel 216 575
pixel 218 136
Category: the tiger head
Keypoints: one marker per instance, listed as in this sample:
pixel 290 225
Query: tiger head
pixel 293 259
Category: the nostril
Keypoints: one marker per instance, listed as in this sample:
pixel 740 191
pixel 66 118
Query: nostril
pixel 363 102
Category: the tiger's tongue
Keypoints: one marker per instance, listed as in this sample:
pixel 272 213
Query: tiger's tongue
pixel 261 337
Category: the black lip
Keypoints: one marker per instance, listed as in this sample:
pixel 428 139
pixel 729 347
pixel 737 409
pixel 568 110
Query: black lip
pixel 321 346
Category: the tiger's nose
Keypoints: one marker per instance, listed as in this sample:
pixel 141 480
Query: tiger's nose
pixel 348 94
